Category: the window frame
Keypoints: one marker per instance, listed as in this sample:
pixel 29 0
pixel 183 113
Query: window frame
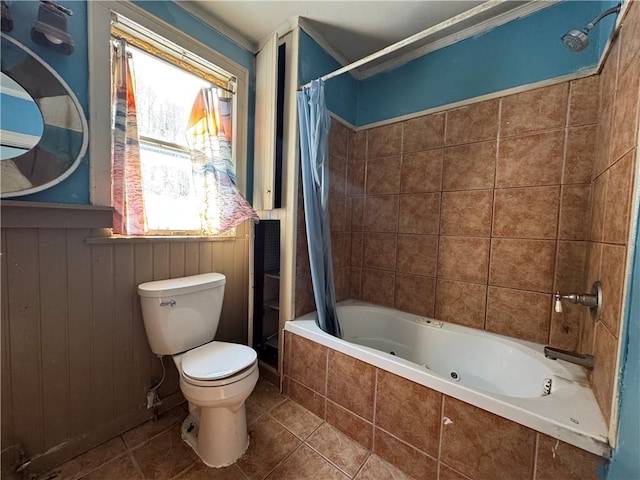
pixel 99 16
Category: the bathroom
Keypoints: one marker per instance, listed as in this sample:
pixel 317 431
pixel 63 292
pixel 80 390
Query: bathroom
pixel 575 125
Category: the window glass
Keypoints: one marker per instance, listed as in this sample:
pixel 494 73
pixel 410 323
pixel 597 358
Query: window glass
pixel 167 186
pixel 164 97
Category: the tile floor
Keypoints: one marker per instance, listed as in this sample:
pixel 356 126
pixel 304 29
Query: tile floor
pixel 287 442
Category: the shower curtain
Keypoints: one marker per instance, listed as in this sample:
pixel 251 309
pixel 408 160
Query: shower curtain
pixel 314 125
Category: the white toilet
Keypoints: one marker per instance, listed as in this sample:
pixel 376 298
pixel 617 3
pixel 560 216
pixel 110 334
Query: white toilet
pixel 181 317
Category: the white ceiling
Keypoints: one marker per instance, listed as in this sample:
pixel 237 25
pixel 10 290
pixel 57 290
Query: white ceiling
pixel 353 29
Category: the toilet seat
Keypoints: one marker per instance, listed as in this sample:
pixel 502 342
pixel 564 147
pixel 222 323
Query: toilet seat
pixel 217 363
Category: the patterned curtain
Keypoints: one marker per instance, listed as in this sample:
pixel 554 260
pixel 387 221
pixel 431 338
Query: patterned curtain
pixel 222 206
pixel 128 206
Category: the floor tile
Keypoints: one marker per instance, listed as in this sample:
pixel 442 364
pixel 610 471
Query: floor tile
pixel 335 446
pixel 91 460
pixel 253 412
pixel 265 396
pixel 269 444
pixel 149 429
pixel 305 464
pixel 401 455
pixel 277 450
pixel 200 471
pixel 447 473
pixel 297 419
pixel 164 456
pixel 377 469
pixel 122 467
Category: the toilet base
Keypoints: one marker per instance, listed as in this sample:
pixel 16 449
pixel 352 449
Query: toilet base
pixel 213 449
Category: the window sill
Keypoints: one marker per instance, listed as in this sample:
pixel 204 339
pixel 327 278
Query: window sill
pixel 157 239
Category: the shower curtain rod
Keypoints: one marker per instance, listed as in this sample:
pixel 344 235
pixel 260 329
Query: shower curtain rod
pixel 409 40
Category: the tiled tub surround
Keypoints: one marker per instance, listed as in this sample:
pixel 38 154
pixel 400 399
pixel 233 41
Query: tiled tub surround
pixel 498 374
pixel 426 434
pixel 476 215
pixel 473 215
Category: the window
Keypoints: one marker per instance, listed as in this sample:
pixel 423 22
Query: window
pixel 159 97
pixel 171 68
pixel 162 112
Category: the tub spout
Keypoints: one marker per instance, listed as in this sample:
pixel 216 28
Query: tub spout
pixel 582 359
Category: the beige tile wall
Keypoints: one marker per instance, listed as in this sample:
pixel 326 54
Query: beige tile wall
pixel 404 422
pixel 476 215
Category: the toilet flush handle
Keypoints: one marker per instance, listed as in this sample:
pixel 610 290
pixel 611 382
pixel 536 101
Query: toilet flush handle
pixel 169 303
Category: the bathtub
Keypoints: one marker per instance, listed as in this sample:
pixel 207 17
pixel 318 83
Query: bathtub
pixel 505 376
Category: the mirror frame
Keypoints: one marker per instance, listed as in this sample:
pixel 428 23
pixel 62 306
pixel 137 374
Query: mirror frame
pixel 43 83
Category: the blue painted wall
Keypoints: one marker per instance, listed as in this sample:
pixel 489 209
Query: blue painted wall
pixel 74 70
pixel 520 52
pixel 341 93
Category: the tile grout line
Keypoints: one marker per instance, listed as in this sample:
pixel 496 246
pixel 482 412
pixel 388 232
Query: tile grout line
pixel 155 435
pixel 493 212
pixel 359 469
pixel 286 457
pixel 98 467
pixel 536 449
pixel 328 460
pixel 291 431
pixel 136 465
pixel 439 459
pixel 184 470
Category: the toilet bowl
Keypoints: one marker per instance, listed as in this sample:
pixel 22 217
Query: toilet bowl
pixel 181 317
pixel 216 428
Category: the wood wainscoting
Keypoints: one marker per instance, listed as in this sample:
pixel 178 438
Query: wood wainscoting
pixel 76 364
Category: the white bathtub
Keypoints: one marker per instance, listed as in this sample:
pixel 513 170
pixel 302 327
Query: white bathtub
pixel 505 376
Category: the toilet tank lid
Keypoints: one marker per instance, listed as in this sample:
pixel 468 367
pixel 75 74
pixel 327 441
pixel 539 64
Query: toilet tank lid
pixel 181 286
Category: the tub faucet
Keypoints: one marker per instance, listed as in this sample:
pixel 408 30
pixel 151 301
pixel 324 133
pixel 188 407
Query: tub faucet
pixel 592 300
pixel 582 359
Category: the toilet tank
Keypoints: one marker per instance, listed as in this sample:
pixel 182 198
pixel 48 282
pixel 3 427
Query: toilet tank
pixel 181 313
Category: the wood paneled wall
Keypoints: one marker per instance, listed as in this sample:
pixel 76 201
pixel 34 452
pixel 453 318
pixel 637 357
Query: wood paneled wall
pixel 76 363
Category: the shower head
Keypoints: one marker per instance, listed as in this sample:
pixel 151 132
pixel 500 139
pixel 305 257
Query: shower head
pixel 577 40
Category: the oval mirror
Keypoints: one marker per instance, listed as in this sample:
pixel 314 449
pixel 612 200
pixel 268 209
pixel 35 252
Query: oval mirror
pixel 59 143
pixel 20 119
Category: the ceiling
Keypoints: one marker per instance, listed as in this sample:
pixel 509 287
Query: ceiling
pixel 353 29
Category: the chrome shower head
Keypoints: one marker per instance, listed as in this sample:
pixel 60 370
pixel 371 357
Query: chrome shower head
pixel 578 40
